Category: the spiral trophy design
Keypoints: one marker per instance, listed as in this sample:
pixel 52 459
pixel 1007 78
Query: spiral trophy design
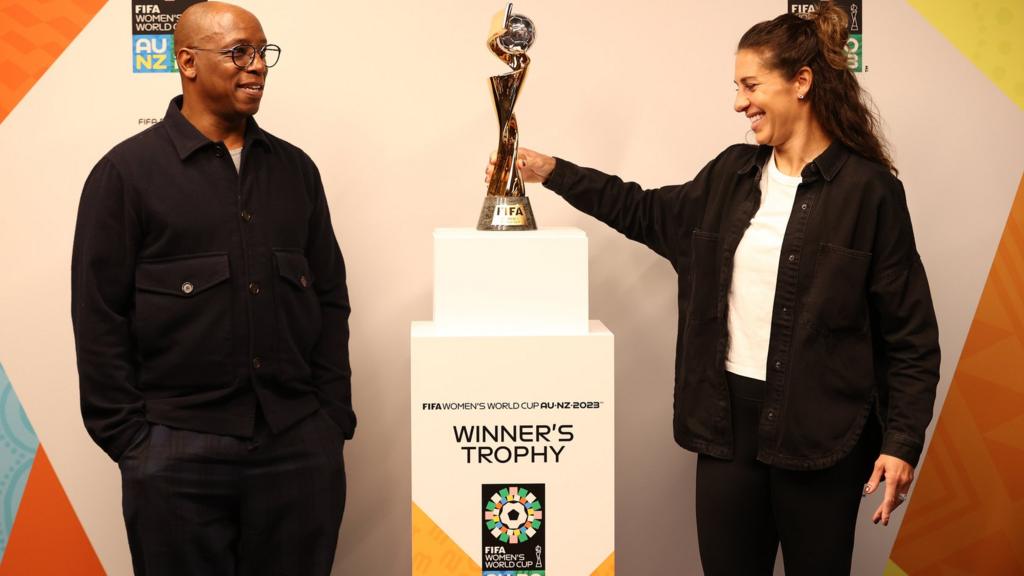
pixel 506 206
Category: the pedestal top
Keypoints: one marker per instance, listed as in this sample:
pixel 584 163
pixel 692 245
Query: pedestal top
pixel 511 282
pixel 543 232
pixel 429 329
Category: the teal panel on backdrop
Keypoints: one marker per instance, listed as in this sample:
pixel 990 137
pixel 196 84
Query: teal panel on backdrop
pixel 18 443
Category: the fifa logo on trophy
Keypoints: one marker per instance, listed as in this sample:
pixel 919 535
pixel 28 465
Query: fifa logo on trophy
pixel 506 206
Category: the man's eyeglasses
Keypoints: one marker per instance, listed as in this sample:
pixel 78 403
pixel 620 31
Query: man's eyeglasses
pixel 244 55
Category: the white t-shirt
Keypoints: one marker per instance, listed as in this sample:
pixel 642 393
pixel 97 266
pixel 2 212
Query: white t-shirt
pixel 755 273
pixel 236 157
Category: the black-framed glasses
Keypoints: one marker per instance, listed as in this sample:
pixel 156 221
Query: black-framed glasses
pixel 243 55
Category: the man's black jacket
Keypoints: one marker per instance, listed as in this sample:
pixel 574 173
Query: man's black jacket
pixel 853 326
pixel 200 294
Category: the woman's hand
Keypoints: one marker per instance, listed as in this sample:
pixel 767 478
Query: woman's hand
pixel 533 166
pixel 897 475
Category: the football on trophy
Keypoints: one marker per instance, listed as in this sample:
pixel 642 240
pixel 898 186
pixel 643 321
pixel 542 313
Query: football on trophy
pixel 519 35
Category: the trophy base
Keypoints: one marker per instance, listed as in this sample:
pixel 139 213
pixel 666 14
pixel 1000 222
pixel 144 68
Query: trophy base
pixel 506 213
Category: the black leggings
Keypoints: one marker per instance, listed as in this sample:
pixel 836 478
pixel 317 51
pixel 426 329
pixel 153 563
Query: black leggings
pixel 745 509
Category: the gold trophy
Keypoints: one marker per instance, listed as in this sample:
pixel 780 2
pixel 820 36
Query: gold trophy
pixel 506 206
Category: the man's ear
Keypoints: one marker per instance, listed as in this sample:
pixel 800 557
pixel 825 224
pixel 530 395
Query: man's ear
pixel 186 63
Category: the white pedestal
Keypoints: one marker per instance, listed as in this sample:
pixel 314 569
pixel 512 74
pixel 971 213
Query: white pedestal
pixel 512 389
pixel 509 283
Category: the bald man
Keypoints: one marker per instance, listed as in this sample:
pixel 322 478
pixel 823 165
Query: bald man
pixel 210 310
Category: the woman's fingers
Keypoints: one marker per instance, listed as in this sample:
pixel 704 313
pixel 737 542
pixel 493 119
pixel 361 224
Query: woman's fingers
pixel 532 166
pixel 898 476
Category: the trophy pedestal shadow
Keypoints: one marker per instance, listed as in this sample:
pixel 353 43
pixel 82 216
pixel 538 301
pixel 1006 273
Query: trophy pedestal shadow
pixel 506 213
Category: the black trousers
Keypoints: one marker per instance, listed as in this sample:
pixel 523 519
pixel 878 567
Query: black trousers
pixel 745 509
pixel 206 504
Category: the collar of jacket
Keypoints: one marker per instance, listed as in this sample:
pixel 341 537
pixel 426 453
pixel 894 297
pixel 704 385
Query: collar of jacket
pixel 827 164
pixel 187 139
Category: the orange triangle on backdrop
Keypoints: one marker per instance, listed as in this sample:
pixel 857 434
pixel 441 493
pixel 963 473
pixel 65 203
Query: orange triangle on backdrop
pixel 47 537
pixel 973 472
pixel 992 403
pixel 33 35
pixel 990 327
pixel 1007 459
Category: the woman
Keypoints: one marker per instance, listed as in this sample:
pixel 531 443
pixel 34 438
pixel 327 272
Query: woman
pixel 807 353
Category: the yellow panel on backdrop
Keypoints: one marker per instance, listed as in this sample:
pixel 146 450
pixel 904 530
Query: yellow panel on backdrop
pixel 988 33
pixel 891 569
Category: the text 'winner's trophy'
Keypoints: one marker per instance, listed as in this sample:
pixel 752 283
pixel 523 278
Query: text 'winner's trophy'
pixel 506 206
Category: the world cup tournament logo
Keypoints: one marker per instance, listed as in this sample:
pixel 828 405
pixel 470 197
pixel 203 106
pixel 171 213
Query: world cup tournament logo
pixel 513 530
pixel 854 26
pixel 153 24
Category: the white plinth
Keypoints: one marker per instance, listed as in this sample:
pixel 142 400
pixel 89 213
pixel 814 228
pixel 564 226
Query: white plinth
pixel 560 383
pixel 512 389
pixel 510 283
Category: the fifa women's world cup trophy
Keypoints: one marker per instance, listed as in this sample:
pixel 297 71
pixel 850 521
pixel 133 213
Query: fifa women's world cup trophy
pixel 506 206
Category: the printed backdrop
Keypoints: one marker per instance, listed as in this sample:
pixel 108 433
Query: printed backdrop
pixel 391 101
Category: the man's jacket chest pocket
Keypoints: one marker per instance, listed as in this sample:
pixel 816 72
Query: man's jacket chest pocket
pixel 182 320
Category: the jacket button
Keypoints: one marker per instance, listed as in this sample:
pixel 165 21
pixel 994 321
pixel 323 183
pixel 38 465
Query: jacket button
pixel 304 281
pixel 187 287
pixel 792 258
pixel 219 153
pixel 246 216
pixel 803 206
pixel 771 414
pixel 778 365
pixel 254 288
pixel 785 310
pixel 257 363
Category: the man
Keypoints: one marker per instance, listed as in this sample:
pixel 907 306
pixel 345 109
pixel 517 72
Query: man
pixel 211 324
